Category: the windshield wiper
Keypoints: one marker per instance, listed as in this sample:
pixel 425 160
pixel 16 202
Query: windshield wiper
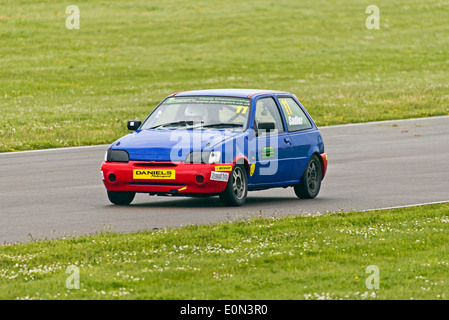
pixel 182 122
pixel 223 125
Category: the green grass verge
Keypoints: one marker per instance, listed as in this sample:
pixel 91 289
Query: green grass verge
pixel 302 257
pixel 61 87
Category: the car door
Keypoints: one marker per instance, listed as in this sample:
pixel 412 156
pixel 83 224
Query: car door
pixel 274 149
pixel 302 136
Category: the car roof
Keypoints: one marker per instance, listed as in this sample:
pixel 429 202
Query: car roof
pixel 244 93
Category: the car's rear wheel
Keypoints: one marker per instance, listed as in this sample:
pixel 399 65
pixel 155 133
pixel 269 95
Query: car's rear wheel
pixel 310 184
pixel 237 188
pixel 122 198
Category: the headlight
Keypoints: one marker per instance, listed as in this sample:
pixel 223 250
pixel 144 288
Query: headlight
pixel 117 156
pixel 197 157
pixel 214 157
pixel 208 157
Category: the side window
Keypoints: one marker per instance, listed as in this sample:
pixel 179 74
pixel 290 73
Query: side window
pixel 294 116
pixel 267 111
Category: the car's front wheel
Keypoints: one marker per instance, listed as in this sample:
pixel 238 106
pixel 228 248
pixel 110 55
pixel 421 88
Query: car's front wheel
pixel 310 184
pixel 122 198
pixel 237 187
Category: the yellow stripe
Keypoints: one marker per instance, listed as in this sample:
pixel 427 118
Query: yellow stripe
pixel 182 189
pixel 286 106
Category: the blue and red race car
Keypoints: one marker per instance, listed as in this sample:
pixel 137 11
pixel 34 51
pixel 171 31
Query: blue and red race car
pixel 222 142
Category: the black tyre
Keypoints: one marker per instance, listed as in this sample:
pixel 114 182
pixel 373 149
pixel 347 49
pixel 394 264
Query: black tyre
pixel 237 187
pixel 122 198
pixel 310 184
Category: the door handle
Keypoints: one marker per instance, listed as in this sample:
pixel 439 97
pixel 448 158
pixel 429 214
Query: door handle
pixel 287 140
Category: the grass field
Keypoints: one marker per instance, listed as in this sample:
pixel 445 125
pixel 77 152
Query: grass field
pixel 61 87
pixel 312 257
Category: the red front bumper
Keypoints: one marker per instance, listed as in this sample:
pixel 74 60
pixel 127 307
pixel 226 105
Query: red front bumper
pixel 179 178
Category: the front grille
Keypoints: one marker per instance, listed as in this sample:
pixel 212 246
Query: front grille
pixel 157 184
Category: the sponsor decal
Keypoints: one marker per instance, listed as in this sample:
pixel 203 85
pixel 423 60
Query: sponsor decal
pixel 223 168
pixel 219 176
pixel 242 104
pixel 252 169
pixel 267 152
pixel 295 121
pixel 153 174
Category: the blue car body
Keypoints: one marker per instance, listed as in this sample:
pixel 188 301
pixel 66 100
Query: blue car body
pixel 287 152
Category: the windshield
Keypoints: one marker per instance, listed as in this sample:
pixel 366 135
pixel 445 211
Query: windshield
pixel 230 113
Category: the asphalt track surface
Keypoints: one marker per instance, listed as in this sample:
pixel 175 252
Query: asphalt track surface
pixel 59 192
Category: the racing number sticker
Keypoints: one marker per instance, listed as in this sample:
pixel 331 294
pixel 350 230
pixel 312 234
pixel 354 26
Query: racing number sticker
pixel 241 109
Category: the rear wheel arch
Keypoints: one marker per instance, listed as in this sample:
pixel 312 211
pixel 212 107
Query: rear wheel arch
pixel 318 155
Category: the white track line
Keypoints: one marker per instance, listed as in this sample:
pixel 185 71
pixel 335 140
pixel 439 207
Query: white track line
pixel 406 206
pixel 382 122
pixel 55 149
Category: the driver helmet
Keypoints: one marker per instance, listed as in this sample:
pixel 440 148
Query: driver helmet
pixel 194 112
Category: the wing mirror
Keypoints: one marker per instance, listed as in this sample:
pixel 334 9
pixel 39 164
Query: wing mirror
pixel 134 125
pixel 265 126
